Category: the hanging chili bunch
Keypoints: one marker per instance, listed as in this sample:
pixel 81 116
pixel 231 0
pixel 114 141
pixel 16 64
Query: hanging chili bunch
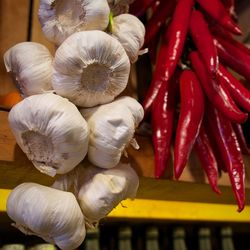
pixel 194 86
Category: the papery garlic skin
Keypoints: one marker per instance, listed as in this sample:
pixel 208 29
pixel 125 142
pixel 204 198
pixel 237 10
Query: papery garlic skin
pixel 134 106
pixel 30 64
pixel 51 132
pixel 51 214
pixel 130 32
pixel 90 68
pixel 105 190
pixel 60 19
pixel 112 127
pixel 100 190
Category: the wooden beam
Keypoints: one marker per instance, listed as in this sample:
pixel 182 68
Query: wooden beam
pixel 13 29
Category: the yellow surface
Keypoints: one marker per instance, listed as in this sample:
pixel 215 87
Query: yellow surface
pixel 167 210
pixel 4 193
pixel 171 210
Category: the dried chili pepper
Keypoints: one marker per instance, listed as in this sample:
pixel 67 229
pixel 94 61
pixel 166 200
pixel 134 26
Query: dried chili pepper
pixel 162 123
pixel 190 118
pixel 240 94
pixel 230 152
pixel 241 138
pixel 158 18
pixel 204 151
pixel 171 51
pixel 204 41
pixel 216 92
pixel 139 7
pixel 219 13
pixel 233 57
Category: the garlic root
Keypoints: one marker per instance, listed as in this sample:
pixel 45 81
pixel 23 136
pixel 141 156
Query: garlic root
pixel 60 19
pixel 90 68
pixel 51 132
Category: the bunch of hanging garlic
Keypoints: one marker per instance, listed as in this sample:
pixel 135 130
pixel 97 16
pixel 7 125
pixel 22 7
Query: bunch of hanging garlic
pixel 71 110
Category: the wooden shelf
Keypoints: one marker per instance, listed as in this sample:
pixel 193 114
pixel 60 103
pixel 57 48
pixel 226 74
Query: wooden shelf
pixel 15 169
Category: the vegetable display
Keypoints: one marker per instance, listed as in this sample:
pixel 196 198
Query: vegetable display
pixel 197 39
pixel 74 123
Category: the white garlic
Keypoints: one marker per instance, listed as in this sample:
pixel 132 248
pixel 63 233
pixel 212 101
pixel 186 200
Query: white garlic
pixel 60 19
pixel 30 64
pixel 51 214
pixel 99 190
pixel 134 106
pixel 130 32
pixel 90 68
pixel 51 132
pixel 112 128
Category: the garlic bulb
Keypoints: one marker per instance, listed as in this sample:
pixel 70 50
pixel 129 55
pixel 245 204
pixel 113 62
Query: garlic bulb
pixel 51 214
pixel 130 32
pixel 100 190
pixel 31 66
pixel 112 128
pixel 60 19
pixel 90 68
pixel 51 132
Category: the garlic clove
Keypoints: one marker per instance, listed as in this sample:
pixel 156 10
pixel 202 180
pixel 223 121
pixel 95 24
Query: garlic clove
pixel 51 132
pixel 90 68
pixel 60 19
pixel 30 64
pixel 130 32
pixel 112 127
pixel 51 214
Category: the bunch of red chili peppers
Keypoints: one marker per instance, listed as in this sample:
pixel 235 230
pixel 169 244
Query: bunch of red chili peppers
pixel 193 71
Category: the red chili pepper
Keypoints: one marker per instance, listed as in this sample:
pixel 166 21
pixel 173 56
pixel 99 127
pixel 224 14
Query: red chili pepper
pixel 204 151
pixel 162 123
pixel 233 57
pixel 171 51
pixel 204 41
pixel 158 18
pixel 219 13
pixel 224 34
pixel 240 94
pixel 241 138
pixel 230 6
pixel 139 7
pixel 220 163
pixel 153 48
pixel 216 92
pixel 230 151
pixel 190 118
